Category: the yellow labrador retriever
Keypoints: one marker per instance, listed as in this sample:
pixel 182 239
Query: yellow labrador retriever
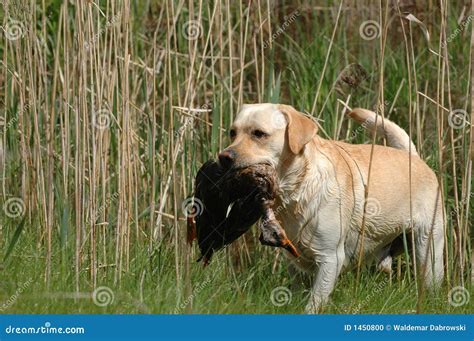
pixel 332 207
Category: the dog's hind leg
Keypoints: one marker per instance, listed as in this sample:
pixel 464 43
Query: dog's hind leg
pixel 429 247
pixel 388 253
pixel 385 260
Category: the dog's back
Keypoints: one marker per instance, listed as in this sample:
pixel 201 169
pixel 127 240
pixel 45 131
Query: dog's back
pixel 409 190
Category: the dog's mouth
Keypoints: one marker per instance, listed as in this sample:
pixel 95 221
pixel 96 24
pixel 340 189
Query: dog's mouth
pixel 237 168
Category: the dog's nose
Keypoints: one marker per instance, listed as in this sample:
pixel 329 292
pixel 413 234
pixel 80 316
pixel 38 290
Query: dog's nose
pixel 227 158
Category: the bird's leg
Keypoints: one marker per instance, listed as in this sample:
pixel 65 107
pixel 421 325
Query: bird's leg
pixel 272 234
pixel 191 230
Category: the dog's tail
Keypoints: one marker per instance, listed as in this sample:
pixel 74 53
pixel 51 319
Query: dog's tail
pixel 396 136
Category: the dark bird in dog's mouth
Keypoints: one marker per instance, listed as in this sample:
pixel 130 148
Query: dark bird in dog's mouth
pixel 232 201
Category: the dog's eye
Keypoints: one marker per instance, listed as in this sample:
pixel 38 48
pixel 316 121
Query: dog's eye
pixel 232 133
pixel 259 134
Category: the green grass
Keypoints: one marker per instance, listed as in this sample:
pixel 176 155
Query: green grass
pixel 66 170
pixel 220 288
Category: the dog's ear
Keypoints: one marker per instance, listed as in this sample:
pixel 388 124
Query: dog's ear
pixel 300 129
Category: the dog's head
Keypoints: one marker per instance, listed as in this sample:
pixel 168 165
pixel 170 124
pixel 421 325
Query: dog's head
pixel 267 133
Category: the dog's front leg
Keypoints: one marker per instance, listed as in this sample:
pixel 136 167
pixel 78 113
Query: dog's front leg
pixel 329 268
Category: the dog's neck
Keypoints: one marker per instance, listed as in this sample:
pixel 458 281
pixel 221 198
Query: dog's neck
pixel 293 172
